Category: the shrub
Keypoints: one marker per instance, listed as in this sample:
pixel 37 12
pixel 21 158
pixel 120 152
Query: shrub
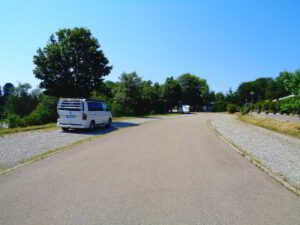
pixel 258 106
pixel 232 108
pixel 44 113
pixel 272 107
pixel 13 120
pixel 265 106
pixel 246 108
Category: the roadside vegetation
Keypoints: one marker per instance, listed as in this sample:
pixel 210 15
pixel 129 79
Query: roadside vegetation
pixel 287 128
pixel 73 65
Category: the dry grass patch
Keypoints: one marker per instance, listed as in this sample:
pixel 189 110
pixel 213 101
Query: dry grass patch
pixel 283 127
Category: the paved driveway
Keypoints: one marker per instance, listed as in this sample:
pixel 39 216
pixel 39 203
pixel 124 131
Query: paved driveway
pixel 171 171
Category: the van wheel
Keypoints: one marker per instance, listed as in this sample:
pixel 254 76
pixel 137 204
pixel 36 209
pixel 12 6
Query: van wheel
pixel 92 126
pixel 65 129
pixel 109 123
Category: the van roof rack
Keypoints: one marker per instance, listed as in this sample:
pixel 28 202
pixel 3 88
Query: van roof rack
pixel 81 99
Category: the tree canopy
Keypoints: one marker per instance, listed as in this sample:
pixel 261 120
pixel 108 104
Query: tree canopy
pixel 193 89
pixel 71 64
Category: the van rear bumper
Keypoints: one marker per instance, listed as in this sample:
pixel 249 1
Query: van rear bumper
pixel 72 126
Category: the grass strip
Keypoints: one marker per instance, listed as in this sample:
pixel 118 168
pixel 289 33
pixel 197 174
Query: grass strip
pixel 5 131
pixel 283 127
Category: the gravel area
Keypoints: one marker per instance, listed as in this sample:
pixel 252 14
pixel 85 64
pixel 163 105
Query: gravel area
pixel 280 153
pixel 24 145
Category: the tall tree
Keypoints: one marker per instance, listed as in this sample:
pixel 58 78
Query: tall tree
pixel 8 89
pixel 72 64
pixel 171 93
pixel 128 94
pixel 20 102
pixel 193 89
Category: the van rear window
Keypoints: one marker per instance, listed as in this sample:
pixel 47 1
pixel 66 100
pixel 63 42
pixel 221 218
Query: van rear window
pixel 69 109
pixel 70 105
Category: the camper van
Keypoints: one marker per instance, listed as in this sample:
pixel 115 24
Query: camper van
pixel 82 113
pixel 184 109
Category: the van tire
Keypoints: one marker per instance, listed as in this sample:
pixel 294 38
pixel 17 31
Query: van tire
pixel 109 122
pixel 92 126
pixel 64 129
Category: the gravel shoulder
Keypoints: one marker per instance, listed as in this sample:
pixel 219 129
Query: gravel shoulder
pixel 279 153
pixel 15 148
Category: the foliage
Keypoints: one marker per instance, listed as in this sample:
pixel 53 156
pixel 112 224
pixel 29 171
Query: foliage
pixel 272 107
pixel 290 105
pixel 192 90
pixel 246 109
pixel 20 102
pixel 71 64
pixel 265 106
pixel 171 93
pixel 128 94
pixel 13 120
pixel 8 89
pixel 45 112
pixel 232 108
pixel 219 103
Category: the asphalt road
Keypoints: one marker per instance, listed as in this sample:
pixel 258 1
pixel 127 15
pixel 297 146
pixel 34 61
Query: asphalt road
pixel 172 171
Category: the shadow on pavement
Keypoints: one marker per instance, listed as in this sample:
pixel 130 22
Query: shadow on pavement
pixel 103 130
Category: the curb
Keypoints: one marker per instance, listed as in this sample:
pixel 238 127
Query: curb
pixel 254 161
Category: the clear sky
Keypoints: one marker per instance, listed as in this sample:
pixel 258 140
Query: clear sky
pixel 225 42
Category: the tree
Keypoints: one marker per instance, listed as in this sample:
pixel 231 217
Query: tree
pixel 8 89
pixel 232 97
pixel 20 101
pixel 292 83
pixel 219 103
pixel 171 93
pixel 71 64
pixel 193 89
pixel 128 95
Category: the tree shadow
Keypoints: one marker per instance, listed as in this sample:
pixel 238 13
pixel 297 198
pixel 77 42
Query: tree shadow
pixel 102 130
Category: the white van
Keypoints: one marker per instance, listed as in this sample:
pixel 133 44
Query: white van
pixel 82 113
pixel 184 109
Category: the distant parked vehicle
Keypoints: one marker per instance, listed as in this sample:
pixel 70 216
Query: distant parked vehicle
pixel 82 113
pixel 184 109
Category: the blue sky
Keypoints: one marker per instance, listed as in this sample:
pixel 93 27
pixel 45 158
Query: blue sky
pixel 225 42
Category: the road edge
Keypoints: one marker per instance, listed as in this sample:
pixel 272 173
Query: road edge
pixel 254 161
pixel 55 151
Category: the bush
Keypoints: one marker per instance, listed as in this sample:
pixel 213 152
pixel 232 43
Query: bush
pixel 232 108
pixel 290 105
pixel 265 106
pixel 13 120
pixel 246 109
pixel 45 112
pixel 258 107
pixel 272 107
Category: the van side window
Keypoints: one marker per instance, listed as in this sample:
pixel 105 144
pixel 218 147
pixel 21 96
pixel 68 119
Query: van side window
pixel 104 106
pixel 93 106
pixel 99 106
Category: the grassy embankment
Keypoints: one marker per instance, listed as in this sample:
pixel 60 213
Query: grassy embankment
pixel 6 131
pixel 288 128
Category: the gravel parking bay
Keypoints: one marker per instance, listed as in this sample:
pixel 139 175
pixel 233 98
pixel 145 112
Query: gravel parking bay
pixel 280 153
pixel 24 145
